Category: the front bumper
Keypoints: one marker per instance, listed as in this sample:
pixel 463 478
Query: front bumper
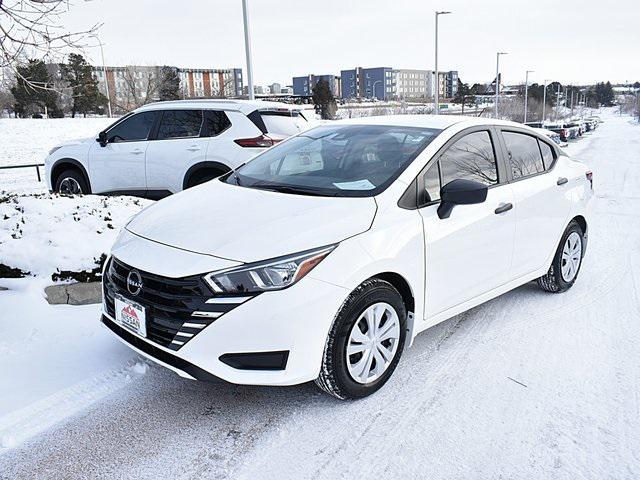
pixel 295 320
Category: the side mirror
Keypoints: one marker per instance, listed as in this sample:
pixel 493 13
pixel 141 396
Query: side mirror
pixel 102 139
pixel 460 192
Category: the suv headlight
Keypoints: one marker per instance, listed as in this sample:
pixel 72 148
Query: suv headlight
pixel 274 274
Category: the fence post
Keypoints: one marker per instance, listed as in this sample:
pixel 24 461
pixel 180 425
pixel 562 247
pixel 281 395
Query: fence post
pixel 38 171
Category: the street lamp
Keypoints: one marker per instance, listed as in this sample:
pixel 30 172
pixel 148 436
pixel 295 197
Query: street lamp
pixel 104 71
pixel 544 99
pixel 526 92
pixel 498 78
pixel 247 48
pixel 437 80
pixel 373 89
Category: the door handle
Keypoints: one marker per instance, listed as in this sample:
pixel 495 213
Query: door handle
pixel 194 149
pixel 137 151
pixel 562 181
pixel 505 207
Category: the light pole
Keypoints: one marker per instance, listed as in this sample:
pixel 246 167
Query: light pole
pixel 526 92
pixel 558 103
pixel 247 48
pixel 498 78
pixel 544 99
pixel 373 89
pixel 437 79
pixel 104 71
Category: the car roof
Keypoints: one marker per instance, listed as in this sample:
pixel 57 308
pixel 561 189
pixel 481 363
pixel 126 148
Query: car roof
pixel 439 122
pixel 244 106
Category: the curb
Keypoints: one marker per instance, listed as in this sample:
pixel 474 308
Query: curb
pixel 74 293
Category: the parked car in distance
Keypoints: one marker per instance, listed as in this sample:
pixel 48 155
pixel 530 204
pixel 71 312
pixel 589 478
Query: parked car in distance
pixel 564 132
pixel 552 135
pixel 535 124
pixel 323 257
pixel 165 147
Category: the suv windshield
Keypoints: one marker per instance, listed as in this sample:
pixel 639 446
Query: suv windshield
pixel 339 160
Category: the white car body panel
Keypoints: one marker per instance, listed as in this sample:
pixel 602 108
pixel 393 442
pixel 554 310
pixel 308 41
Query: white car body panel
pixel 118 166
pixel 449 265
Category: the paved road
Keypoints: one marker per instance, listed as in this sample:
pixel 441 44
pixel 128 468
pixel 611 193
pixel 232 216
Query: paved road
pixel 529 385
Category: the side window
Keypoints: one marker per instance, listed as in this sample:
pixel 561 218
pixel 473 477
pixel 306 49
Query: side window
pixel 432 183
pixel 470 158
pixel 134 128
pixel 547 155
pixel 215 122
pixel 180 124
pixel 524 154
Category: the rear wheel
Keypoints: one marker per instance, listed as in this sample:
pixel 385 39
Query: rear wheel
pixel 71 182
pixel 567 261
pixel 365 341
pixel 203 176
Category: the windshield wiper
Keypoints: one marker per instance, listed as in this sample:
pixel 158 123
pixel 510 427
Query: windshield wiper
pixel 294 190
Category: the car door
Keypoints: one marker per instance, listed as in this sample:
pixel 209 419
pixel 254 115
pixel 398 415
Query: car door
pixel 541 205
pixel 119 164
pixel 178 144
pixel 469 253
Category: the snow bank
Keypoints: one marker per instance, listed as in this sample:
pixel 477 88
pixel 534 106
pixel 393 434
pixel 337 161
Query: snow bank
pixel 45 233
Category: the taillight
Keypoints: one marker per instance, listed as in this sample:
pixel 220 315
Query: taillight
pixel 565 133
pixel 589 175
pixel 257 142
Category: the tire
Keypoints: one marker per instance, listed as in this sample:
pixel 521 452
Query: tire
pixel 557 280
pixel 71 182
pixel 337 376
pixel 201 177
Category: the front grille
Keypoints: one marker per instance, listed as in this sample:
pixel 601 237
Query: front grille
pixel 176 309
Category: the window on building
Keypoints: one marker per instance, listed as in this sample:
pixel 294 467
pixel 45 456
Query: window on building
pixel 180 124
pixel 471 158
pixel 524 154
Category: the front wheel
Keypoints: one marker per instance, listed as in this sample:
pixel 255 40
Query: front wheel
pixel 71 182
pixel 365 341
pixel 567 261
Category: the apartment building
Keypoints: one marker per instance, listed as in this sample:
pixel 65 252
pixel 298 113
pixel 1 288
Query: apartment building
pixel 413 84
pixel 303 86
pixel 367 83
pixel 134 85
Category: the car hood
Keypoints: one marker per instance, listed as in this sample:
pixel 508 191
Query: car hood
pixel 78 141
pixel 247 225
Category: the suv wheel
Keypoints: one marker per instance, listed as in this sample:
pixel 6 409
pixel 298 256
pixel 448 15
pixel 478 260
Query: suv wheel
pixel 71 182
pixel 365 342
pixel 566 263
pixel 203 176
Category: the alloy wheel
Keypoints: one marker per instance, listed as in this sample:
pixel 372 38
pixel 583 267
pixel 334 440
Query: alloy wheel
pixel 373 343
pixel 70 186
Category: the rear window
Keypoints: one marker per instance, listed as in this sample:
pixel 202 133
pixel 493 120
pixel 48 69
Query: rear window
pixel 524 154
pixel 180 124
pixel 279 122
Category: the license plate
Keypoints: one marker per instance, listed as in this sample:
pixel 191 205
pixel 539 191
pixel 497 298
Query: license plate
pixel 131 316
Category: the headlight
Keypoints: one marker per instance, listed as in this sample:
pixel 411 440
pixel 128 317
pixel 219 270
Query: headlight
pixel 274 274
pixel 53 150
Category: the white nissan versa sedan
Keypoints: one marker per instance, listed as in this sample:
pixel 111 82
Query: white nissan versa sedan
pixel 324 256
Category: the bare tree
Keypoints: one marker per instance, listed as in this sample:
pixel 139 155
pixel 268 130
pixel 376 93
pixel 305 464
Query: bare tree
pixel 32 29
pixel 141 85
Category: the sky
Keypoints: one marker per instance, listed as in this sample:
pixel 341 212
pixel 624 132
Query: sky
pixel 570 41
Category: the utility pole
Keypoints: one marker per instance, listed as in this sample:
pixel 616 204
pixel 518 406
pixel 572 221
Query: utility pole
pixel 558 103
pixel 498 78
pixel 437 77
pixel 572 92
pixel 247 48
pixel 104 71
pixel 526 93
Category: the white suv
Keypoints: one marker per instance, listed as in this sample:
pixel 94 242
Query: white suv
pixel 165 147
pixel 321 258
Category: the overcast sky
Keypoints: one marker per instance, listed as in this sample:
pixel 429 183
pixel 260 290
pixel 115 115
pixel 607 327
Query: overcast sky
pixel 570 41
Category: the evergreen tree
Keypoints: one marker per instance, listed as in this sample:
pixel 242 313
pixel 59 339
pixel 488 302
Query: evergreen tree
pixel 32 91
pixel 324 100
pixel 79 77
pixel 604 94
pixel 169 84
pixel 464 95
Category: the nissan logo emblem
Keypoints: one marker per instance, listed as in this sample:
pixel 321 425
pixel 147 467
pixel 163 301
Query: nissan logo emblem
pixel 134 282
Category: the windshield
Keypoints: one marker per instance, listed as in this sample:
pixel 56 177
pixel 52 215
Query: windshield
pixel 339 160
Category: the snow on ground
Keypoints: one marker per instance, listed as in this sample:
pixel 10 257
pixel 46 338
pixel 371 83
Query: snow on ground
pixel 28 141
pixel 43 233
pixel 529 385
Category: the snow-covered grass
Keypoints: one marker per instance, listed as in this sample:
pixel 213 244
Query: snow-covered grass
pixel 28 140
pixel 45 233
